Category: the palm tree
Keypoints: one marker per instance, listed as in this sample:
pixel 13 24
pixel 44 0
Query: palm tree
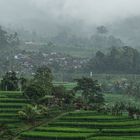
pixel 29 114
pixel 118 108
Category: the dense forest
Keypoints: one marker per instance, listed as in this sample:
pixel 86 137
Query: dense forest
pixel 118 60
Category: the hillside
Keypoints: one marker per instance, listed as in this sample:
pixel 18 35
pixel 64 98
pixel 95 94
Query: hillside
pixel 76 125
pixel 10 104
pixel 86 125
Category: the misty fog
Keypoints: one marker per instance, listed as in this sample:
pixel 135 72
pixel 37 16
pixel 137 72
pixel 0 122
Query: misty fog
pixel 89 11
pixel 51 18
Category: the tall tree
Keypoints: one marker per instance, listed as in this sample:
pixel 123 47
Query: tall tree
pixel 9 81
pixel 43 78
pixel 90 89
pixel 102 29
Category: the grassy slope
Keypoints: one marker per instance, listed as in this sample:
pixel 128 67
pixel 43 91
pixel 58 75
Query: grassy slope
pixel 109 127
pixel 12 102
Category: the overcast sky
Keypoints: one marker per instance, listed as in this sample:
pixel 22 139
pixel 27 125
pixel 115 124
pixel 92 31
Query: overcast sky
pixel 88 11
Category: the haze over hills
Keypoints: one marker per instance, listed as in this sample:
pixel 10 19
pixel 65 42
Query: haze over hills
pixel 70 23
pixel 128 30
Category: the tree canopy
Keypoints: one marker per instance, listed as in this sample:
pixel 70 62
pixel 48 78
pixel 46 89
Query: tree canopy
pixel 90 89
pixel 43 78
pixel 118 60
pixel 9 81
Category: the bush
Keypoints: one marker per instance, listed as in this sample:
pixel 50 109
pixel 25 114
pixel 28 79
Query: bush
pixel 34 92
pixel 30 113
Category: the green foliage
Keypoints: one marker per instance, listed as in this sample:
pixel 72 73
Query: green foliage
pixel 58 136
pixel 23 83
pixel 6 133
pixel 64 129
pixel 30 113
pixel 73 125
pixel 133 110
pixel 9 81
pixel 79 101
pixel 118 108
pixel 59 91
pixel 118 60
pixel 86 124
pixel 116 138
pixel 133 89
pixel 69 97
pixel 45 100
pixel 43 78
pixel 40 86
pixel 90 89
pixel 62 96
pixel 34 92
pixel 94 118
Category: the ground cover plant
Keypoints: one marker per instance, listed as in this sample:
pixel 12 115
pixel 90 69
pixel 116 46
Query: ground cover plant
pixel 81 110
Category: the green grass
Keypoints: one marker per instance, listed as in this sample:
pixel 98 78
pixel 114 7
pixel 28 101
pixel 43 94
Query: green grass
pixel 5 115
pixel 12 100
pixel 97 125
pixel 67 85
pixel 11 94
pixel 83 113
pixel 101 127
pixel 65 129
pixel 9 110
pixel 112 98
pixel 77 125
pixel 12 105
pixel 54 135
pixel 116 138
pixel 9 120
pixel 95 118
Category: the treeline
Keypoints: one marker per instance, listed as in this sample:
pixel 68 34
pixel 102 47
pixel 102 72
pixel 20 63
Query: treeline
pixel 118 60
pixel 8 39
pixel 40 88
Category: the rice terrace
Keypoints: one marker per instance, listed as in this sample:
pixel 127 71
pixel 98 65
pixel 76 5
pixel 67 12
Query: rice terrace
pixel 69 70
pixel 65 122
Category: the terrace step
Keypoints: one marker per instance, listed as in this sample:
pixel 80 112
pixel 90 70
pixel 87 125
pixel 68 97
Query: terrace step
pixel 12 100
pixel 83 113
pixel 115 138
pixel 12 105
pixel 9 110
pixel 98 125
pixel 9 120
pixel 8 115
pixel 65 129
pixel 54 136
pixel 94 118
pixel 86 125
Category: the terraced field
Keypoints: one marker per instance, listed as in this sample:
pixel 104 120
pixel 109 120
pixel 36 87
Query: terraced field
pixel 67 85
pixel 10 104
pixel 78 125
pixel 87 125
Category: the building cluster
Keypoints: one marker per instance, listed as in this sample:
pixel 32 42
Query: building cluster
pixel 29 61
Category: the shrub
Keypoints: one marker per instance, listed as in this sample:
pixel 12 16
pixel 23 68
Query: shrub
pixel 34 92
